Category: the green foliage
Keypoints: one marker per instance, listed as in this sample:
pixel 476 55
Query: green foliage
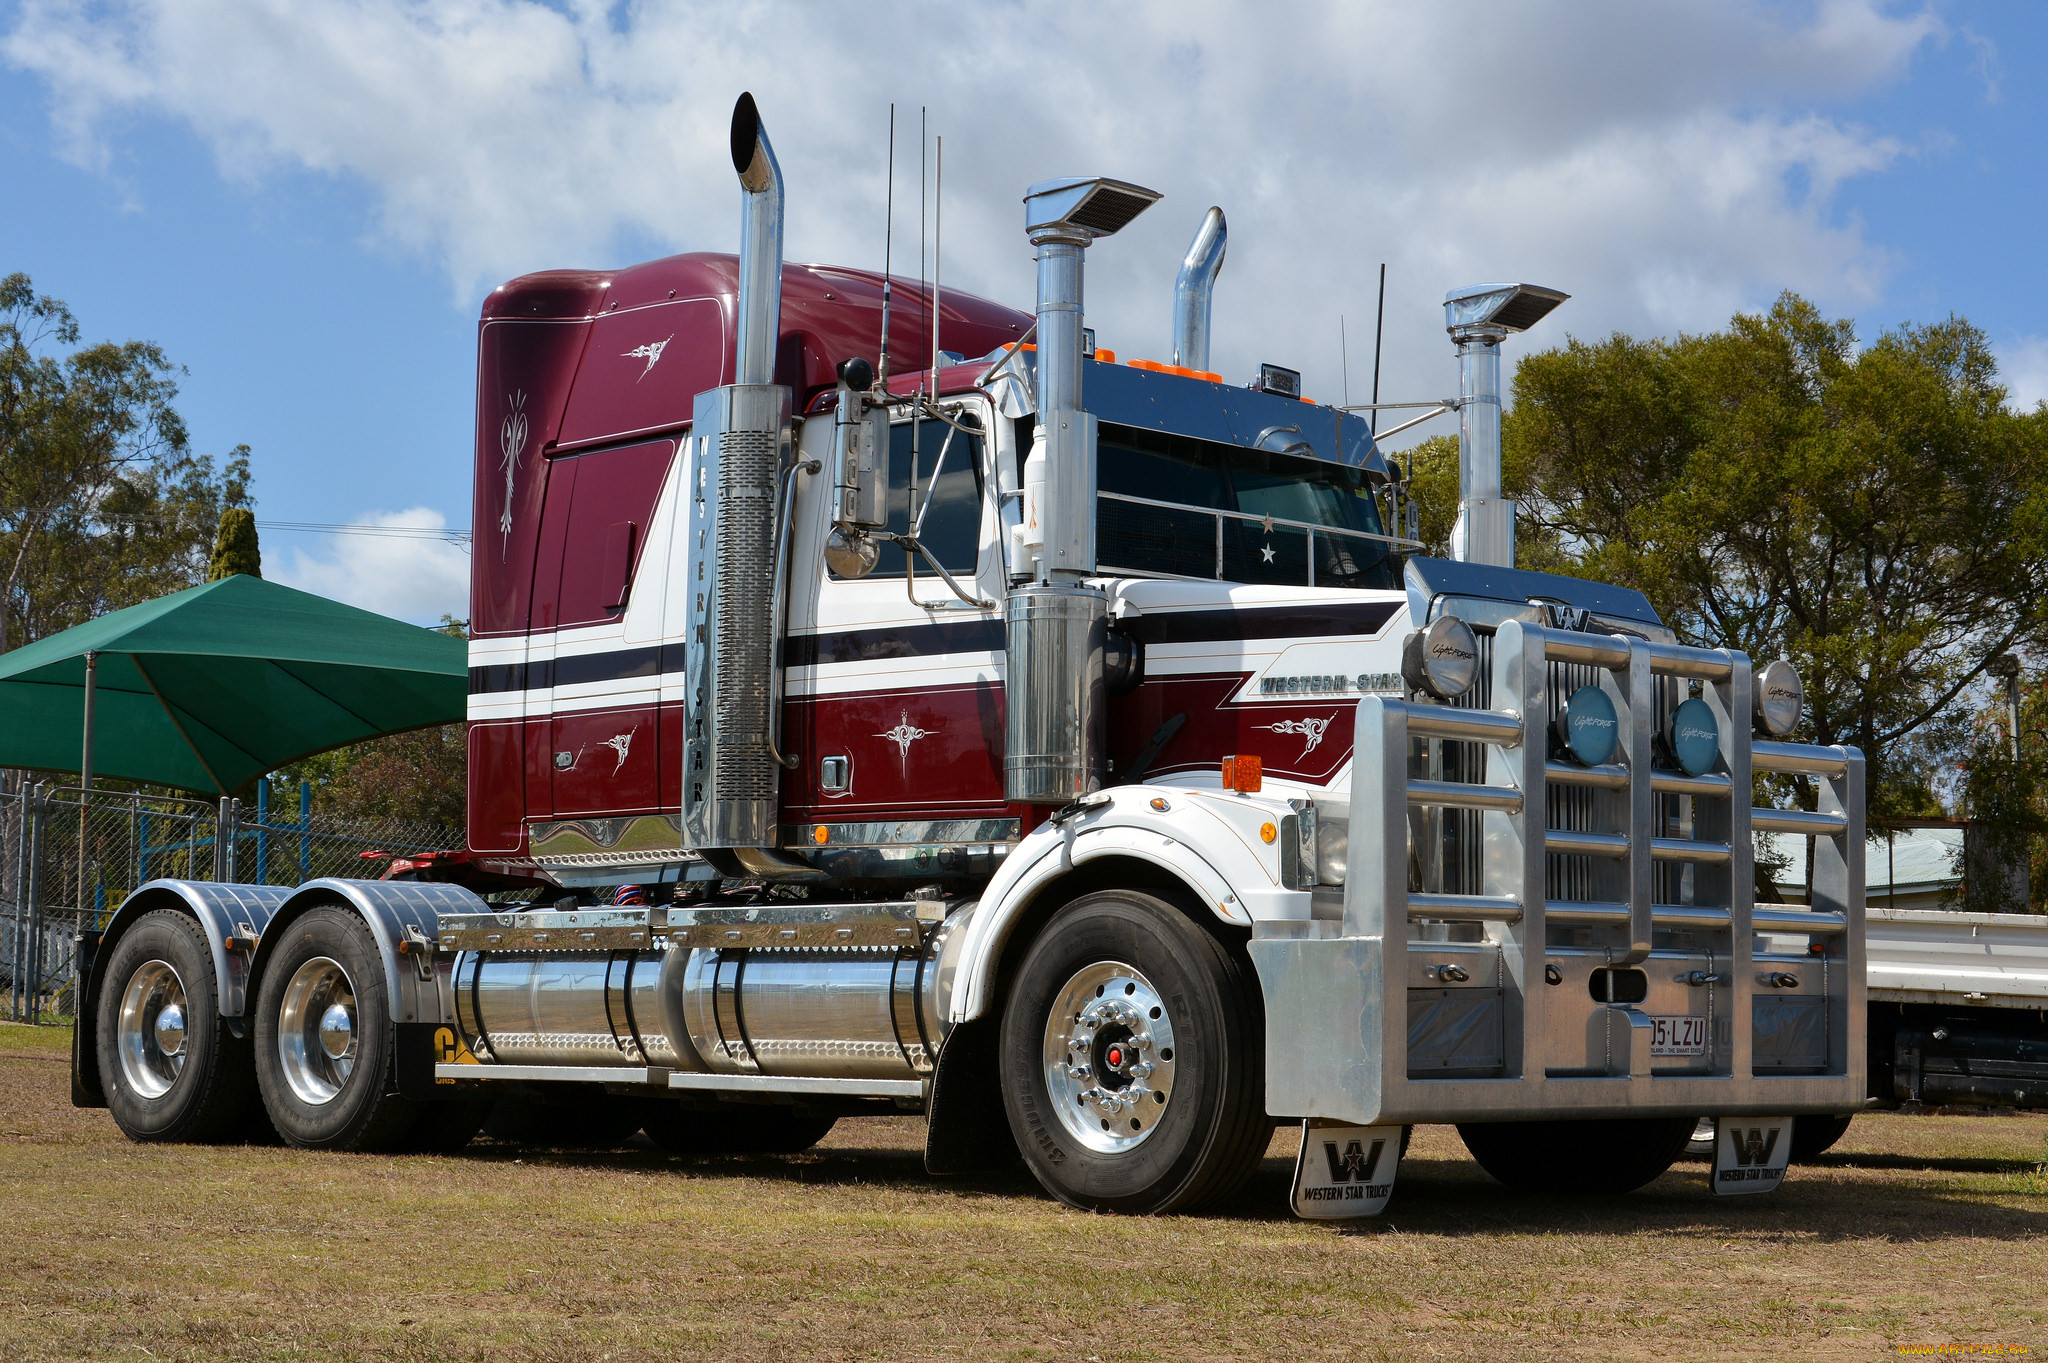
pixel 2007 797
pixel 102 503
pixel 1877 515
pixel 235 549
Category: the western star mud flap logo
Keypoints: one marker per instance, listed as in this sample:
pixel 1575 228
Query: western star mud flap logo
pixel 1345 1171
pixel 1750 1153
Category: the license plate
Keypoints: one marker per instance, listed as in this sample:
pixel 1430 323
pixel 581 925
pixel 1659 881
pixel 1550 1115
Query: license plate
pixel 1680 1034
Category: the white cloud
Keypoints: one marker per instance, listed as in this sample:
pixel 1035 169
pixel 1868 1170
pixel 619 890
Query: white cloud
pixel 2023 364
pixel 414 577
pixel 1665 164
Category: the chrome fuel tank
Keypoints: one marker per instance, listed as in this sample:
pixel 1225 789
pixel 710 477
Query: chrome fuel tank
pixel 590 1008
pixel 851 1012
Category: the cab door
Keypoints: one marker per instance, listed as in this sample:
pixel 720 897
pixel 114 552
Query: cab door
pixel 602 752
pixel 893 684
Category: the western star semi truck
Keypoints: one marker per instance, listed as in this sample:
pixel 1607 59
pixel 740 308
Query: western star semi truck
pixel 1079 755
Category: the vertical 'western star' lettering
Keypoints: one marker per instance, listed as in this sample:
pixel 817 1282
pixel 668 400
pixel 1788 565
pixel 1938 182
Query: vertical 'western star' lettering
pixel 1754 1146
pixel 1356 1164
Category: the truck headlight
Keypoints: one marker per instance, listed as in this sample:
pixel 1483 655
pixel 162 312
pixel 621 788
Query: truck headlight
pixel 1779 698
pixel 1695 737
pixel 1441 658
pixel 1588 726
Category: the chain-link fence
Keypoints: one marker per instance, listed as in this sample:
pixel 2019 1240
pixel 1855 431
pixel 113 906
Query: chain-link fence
pixel 68 859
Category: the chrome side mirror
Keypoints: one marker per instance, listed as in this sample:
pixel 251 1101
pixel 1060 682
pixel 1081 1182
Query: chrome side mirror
pixel 860 479
pixel 849 553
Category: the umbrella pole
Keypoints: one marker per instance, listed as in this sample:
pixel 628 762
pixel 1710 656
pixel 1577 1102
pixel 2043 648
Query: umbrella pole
pixel 92 678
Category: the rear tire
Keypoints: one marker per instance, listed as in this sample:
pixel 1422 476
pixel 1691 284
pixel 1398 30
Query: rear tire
pixel 1602 1158
pixel 743 1130
pixel 325 1041
pixel 1813 1137
pixel 1133 1058
pixel 169 1067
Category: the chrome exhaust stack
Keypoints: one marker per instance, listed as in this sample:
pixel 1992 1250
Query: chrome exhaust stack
pixel 1056 628
pixel 760 305
pixel 1194 290
pixel 739 443
pixel 1479 317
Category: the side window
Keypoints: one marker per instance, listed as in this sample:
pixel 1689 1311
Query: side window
pixel 952 526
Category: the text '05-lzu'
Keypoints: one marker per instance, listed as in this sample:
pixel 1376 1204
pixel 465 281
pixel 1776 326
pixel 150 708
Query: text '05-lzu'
pixel 1077 754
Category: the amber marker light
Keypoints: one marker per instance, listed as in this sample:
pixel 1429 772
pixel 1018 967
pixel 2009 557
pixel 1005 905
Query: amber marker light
pixel 1159 803
pixel 1268 832
pixel 819 835
pixel 1243 773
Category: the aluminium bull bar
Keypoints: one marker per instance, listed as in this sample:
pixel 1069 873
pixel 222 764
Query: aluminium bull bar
pixel 1338 1006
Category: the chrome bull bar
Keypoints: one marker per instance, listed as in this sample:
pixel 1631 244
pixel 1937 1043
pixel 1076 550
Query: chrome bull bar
pixel 1339 996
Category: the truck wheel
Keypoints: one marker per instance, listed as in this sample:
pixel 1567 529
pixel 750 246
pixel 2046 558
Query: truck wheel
pixel 1813 1137
pixel 745 1130
pixel 170 1070
pixel 1132 1059
pixel 325 1039
pixel 1601 1157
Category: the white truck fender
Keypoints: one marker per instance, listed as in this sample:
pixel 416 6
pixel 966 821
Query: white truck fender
pixel 1232 871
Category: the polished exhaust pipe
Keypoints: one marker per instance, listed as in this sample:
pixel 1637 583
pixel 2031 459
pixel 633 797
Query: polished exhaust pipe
pixel 1194 290
pixel 760 284
pixel 1055 624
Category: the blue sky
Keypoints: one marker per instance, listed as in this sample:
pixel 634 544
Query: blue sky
pixel 305 202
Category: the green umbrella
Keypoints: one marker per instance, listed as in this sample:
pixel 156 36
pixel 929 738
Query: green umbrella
pixel 209 688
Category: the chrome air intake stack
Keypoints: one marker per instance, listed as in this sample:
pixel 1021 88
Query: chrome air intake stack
pixel 1055 627
pixel 1479 317
pixel 1194 291
pixel 739 439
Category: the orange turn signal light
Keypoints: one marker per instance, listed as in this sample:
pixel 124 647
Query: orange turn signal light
pixel 1243 773
pixel 1156 367
pixel 819 835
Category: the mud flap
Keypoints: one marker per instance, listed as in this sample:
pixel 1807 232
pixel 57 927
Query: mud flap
pixel 419 1046
pixel 966 1129
pixel 1750 1153
pixel 1345 1171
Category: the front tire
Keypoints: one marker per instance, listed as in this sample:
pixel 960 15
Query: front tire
pixel 170 1069
pixel 1132 1059
pixel 1599 1157
pixel 325 1040
pixel 1814 1136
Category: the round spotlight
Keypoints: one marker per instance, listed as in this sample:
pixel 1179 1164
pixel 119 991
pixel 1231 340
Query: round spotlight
pixel 1779 698
pixel 1442 658
pixel 1695 737
pixel 1588 727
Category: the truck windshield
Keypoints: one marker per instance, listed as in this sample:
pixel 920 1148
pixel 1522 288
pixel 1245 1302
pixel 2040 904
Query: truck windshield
pixel 1170 506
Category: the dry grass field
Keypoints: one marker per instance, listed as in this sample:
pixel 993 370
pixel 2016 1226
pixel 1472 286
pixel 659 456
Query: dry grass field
pixel 1915 1231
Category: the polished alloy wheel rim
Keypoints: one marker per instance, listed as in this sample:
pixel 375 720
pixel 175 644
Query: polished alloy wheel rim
pixel 1109 1057
pixel 151 1032
pixel 316 1030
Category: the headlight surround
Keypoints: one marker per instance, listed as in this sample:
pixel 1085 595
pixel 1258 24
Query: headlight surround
pixel 1780 698
pixel 1441 658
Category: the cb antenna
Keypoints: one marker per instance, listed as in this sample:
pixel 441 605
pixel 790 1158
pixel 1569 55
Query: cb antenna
pixel 1378 325
pixel 888 242
pixel 923 142
pixel 938 239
